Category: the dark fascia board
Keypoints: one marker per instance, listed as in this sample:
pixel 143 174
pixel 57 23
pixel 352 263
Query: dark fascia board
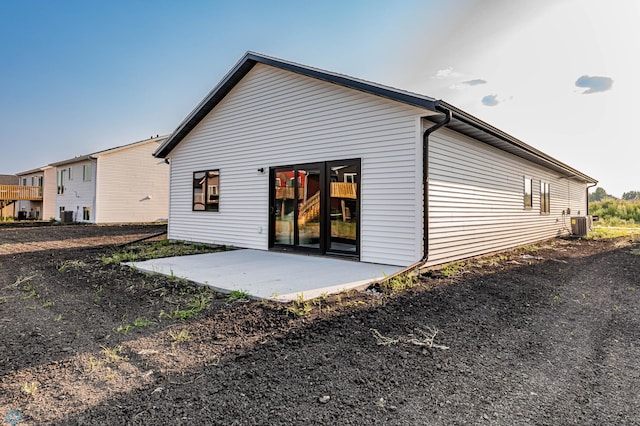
pixel 249 60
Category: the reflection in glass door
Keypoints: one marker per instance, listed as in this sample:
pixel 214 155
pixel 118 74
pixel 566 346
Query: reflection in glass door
pixel 309 203
pixel 315 207
pixel 284 209
pixel 343 216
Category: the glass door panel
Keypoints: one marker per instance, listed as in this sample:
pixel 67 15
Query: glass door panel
pixel 284 208
pixel 343 211
pixel 314 207
pixel 309 203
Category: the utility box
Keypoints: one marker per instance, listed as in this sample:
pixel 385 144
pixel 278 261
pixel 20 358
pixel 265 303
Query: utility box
pixel 580 226
pixel 66 216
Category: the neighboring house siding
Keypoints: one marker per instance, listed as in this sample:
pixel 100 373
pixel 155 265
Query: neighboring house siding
pixel 132 185
pixel 476 201
pixel 78 193
pixel 275 118
pixel 49 193
pixel 28 205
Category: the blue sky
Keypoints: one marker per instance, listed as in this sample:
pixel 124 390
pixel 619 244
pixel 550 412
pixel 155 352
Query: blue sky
pixel 81 76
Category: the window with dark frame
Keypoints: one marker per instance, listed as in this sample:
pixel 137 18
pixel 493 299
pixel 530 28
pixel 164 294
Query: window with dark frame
pixel 206 191
pixel 86 213
pixel 545 199
pixel 528 193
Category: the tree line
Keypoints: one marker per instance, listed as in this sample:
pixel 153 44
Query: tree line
pixel 613 211
pixel 599 194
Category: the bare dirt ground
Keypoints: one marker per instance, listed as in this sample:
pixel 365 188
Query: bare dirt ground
pixel 545 335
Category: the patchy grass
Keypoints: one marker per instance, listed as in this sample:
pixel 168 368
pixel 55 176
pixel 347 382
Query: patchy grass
pixel 112 355
pixel 71 264
pixel 300 307
pixel 604 232
pixel 453 269
pixel 238 296
pixel 157 249
pixel 179 336
pixel 399 283
pixel 195 305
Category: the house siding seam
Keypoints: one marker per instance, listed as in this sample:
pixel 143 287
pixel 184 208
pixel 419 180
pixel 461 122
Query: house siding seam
pixel 274 117
pixel 476 199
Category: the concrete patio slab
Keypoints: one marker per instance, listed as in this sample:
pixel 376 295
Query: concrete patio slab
pixel 269 275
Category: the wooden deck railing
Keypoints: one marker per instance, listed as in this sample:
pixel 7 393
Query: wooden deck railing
pixel 18 192
pixel 338 190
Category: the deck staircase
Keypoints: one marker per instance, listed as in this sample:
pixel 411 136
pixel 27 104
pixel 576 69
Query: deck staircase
pixel 311 208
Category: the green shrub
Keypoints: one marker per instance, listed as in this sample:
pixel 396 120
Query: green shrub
pixel 614 212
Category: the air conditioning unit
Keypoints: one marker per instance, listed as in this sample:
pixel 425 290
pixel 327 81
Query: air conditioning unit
pixel 580 226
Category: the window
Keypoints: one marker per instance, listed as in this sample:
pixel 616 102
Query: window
pixel 70 173
pixel 350 177
pixel 61 178
pixel 86 172
pixel 24 181
pixel 545 199
pixel 528 193
pixel 206 190
pixel 86 213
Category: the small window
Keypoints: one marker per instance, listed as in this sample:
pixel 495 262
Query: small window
pixel 24 181
pixel 545 199
pixel 206 191
pixel 86 213
pixel 528 193
pixel 86 172
pixel 70 173
pixel 350 177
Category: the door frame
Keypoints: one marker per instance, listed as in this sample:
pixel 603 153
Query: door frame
pixel 325 207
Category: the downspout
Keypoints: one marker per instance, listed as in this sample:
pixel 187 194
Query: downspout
pixel 425 184
pixel 425 179
pixel 587 190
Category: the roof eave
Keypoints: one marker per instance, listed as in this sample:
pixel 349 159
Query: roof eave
pixel 497 137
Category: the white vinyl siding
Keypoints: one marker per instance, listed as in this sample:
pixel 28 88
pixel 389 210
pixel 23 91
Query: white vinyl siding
pixel 131 185
pixel 476 199
pixel 77 193
pixel 276 118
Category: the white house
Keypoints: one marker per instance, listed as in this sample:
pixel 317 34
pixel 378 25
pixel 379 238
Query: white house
pixel 118 185
pixel 44 208
pixel 281 156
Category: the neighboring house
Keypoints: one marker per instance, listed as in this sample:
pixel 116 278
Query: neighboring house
pixel 282 156
pixel 117 185
pixel 7 205
pixel 44 208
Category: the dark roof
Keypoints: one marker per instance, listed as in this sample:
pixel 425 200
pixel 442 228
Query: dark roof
pixel 8 180
pixel 461 121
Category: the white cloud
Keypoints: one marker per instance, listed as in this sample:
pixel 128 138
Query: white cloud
pixel 446 73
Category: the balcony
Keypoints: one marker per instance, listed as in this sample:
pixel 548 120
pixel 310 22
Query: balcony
pixel 18 192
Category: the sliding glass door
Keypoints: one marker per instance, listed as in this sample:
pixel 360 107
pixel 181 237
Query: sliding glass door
pixel 315 207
